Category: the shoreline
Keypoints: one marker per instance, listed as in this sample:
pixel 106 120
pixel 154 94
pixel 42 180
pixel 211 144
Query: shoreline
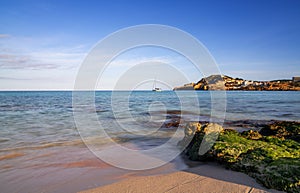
pixel 250 152
pixel 208 177
pixel 72 168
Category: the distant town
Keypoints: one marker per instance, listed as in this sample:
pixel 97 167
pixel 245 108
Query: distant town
pixel 223 82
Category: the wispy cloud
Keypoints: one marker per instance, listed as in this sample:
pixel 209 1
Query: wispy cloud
pixel 59 59
pixel 67 59
pixel 134 61
pixel 4 35
pixel 39 53
pixel 19 61
pixel 12 78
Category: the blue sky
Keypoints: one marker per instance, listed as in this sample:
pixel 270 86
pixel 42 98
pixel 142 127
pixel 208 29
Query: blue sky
pixel 42 43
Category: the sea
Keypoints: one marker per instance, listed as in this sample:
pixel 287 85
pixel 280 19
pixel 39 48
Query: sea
pixel 42 139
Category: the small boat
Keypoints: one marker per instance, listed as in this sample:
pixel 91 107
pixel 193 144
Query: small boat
pixel 155 89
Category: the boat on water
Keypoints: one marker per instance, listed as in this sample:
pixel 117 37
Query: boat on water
pixel 154 88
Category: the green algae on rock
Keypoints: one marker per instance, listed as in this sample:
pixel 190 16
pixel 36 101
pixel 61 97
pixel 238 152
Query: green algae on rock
pixel 272 158
pixel 282 129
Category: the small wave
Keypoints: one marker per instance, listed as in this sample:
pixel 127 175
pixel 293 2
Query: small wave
pixel 11 155
pixel 45 145
pixel 101 111
pixel 287 114
pixel 86 163
pixel 4 139
pixel 5 106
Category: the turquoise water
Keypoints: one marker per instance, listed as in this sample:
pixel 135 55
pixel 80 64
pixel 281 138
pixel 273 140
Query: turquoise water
pixel 30 119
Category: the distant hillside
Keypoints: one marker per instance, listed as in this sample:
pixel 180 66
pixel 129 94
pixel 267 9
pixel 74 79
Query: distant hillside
pixel 223 82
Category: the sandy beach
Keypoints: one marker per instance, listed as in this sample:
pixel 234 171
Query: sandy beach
pixel 205 178
pixel 75 169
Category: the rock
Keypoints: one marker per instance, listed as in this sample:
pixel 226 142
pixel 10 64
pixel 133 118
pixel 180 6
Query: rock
pixel 191 128
pixel 185 87
pixel 271 156
pixel 196 136
pixel 255 135
pixel 223 82
pixel 211 132
pixel 174 123
pixel 212 127
pixel 282 130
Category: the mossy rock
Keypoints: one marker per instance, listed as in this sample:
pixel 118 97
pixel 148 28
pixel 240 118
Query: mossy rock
pixel 283 130
pixel 251 135
pixel 273 160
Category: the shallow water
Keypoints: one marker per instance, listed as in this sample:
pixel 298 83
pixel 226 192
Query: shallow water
pixel 40 143
pixel 31 119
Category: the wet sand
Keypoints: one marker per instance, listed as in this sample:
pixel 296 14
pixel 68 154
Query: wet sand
pixel 65 169
pixel 204 178
pixel 72 168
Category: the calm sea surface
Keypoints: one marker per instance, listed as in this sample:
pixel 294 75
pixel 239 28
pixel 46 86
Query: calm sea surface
pixel 30 119
pixel 41 149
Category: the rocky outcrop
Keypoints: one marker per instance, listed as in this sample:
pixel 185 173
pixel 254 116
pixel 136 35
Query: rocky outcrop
pixel 185 87
pixel 282 130
pixel 271 155
pixel 254 135
pixel 223 82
